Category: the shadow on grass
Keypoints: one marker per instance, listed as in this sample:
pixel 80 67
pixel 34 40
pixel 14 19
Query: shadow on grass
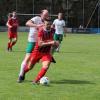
pixel 30 81
pixel 63 52
pixel 64 81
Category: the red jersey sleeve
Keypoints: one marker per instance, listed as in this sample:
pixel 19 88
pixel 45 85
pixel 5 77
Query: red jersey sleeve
pixel 10 21
pixel 40 33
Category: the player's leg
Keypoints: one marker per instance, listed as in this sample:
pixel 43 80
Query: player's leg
pixel 30 47
pixel 13 42
pixel 46 60
pixel 28 67
pixel 56 39
pixel 9 43
pixel 60 38
pixel 24 63
pixel 42 72
pixel 30 64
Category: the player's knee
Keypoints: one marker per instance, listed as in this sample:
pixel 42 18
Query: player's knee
pixel 45 67
pixel 10 40
pixel 15 39
pixel 46 64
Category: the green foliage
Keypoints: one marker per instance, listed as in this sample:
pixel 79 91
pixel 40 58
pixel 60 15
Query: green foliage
pixel 74 9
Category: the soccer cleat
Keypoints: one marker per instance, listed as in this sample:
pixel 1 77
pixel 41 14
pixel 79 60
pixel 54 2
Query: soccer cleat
pixel 7 48
pixel 21 79
pixel 53 60
pixel 10 49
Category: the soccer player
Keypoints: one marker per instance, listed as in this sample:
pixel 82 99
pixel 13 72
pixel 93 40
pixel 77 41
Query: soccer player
pixel 35 23
pixel 12 24
pixel 42 51
pixel 59 25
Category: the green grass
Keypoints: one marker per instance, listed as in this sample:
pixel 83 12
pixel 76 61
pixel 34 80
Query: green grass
pixel 75 76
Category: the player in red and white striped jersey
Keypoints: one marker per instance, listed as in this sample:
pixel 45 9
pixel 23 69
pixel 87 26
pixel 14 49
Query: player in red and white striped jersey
pixel 12 24
pixel 42 50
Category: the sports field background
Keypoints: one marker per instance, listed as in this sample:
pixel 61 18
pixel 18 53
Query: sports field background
pixel 75 76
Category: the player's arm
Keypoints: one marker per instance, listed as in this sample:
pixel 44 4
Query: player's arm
pixel 42 43
pixel 31 23
pixel 8 24
pixel 53 25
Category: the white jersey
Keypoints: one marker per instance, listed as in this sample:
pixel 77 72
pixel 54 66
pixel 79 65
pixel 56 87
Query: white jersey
pixel 59 26
pixel 32 37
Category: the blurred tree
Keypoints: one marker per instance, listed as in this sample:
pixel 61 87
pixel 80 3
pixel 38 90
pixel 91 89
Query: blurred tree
pixel 72 8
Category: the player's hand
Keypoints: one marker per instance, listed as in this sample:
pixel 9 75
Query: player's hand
pixel 40 25
pixel 10 26
pixel 55 43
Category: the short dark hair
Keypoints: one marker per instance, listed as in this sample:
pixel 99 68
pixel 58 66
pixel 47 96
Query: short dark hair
pixel 48 20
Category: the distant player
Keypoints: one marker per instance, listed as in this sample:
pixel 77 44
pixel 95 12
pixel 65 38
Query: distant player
pixel 35 23
pixel 12 24
pixel 59 25
pixel 42 51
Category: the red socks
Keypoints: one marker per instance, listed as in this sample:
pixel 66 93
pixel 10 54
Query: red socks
pixel 10 44
pixel 41 74
pixel 26 69
pixel 13 43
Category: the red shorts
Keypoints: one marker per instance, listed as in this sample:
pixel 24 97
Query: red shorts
pixel 36 56
pixel 12 35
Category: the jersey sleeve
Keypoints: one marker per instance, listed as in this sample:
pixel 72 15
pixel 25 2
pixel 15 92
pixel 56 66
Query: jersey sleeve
pixel 63 23
pixel 33 19
pixel 9 21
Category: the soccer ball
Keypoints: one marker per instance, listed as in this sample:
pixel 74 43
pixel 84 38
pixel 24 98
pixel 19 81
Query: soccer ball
pixel 44 81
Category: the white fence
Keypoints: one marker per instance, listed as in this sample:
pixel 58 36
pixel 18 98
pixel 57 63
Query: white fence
pixel 69 30
pixel 20 29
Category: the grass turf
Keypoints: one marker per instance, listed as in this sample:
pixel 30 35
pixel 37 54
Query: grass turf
pixel 75 76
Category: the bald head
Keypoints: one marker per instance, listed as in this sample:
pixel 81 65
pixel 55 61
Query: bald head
pixel 44 14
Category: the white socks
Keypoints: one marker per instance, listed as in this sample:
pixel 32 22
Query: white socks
pixel 23 65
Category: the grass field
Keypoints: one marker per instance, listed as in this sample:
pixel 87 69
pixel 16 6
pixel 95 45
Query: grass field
pixel 75 76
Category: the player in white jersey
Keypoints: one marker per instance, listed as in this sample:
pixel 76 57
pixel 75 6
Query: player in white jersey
pixel 35 23
pixel 59 25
